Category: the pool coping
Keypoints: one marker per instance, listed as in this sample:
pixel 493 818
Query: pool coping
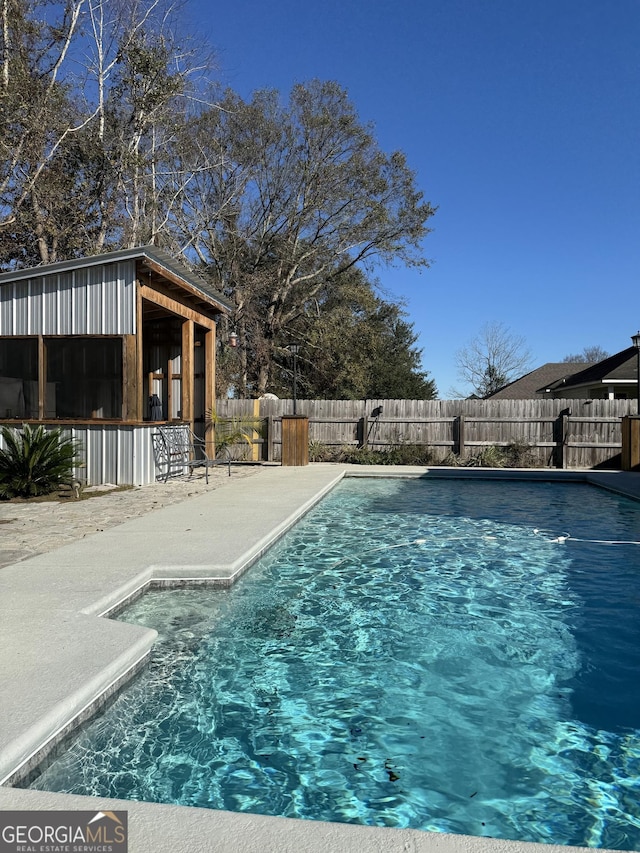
pixel 60 662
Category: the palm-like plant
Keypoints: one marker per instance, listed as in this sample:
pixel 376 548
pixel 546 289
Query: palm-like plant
pixel 239 430
pixel 35 461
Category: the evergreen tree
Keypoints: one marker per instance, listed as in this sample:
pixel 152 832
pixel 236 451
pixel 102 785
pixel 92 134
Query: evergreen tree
pixel 355 345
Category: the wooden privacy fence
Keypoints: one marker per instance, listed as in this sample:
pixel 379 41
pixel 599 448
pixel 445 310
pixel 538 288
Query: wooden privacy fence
pixel 558 433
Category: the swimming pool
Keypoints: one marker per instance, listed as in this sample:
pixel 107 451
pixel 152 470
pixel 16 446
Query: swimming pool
pixel 412 654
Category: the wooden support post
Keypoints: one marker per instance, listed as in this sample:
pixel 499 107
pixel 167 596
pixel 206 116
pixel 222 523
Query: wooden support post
pixel 209 370
pixel 187 383
pixel 130 411
pixel 42 379
pixel 209 387
pixel 139 373
pixel 169 390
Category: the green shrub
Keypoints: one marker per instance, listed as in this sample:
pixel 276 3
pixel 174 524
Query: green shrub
pixel 320 452
pixel 514 455
pixel 402 454
pixel 488 457
pixel 519 454
pixel 452 460
pixel 360 456
pixel 35 461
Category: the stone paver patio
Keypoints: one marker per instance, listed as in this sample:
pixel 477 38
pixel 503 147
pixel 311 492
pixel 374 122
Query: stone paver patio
pixel 28 528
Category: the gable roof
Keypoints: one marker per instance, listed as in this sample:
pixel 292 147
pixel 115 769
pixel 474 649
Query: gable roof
pixel 621 367
pixel 147 255
pixel 534 384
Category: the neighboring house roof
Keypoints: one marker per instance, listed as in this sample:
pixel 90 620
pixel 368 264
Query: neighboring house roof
pixel 534 384
pixel 621 367
pixel 147 255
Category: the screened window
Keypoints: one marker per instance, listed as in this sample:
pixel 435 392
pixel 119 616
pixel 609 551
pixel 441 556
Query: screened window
pixel 18 378
pixel 84 377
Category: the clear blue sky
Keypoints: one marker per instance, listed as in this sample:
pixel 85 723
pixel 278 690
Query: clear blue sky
pixel 521 119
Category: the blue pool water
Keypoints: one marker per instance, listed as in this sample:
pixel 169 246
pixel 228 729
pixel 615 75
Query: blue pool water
pixel 413 654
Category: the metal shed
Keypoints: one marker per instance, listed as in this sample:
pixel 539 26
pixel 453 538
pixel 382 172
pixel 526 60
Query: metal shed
pixel 84 344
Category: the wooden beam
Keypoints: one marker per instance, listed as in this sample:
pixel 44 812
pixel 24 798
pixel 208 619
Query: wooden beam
pixel 172 277
pixel 175 307
pixel 188 370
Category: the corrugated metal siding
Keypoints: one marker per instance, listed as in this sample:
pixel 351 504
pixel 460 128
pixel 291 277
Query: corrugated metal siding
pixel 20 324
pixel 95 301
pixel 35 303
pixel 120 455
pixel 6 312
pixel 116 454
pixel 63 316
pixel 143 462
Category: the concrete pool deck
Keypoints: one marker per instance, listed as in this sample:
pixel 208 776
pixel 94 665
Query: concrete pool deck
pixel 59 657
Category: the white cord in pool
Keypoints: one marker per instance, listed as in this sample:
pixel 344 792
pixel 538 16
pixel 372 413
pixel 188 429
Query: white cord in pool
pixel 566 537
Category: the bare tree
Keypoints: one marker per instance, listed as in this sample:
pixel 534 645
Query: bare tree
pixel 493 358
pixel 589 355
pixel 35 116
pixel 91 96
pixel 147 72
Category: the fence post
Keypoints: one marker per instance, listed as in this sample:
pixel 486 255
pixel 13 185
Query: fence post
pixel 460 442
pixel 630 443
pixel 565 433
pixel 269 438
pixel 363 426
pixel 256 449
pixel 558 438
pixel 295 440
